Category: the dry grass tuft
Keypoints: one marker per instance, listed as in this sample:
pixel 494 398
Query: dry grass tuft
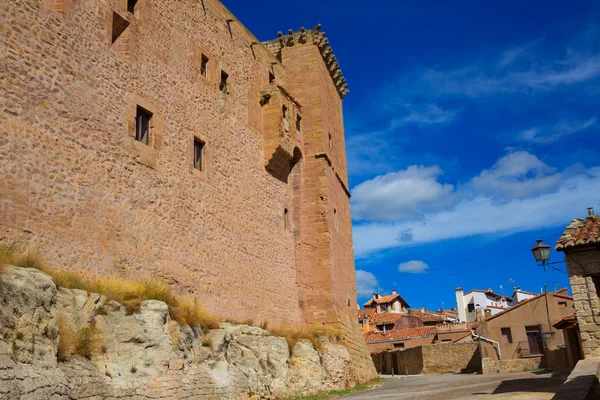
pixel 8 254
pixel 293 333
pixel 84 342
pixel 130 293
pixel 189 312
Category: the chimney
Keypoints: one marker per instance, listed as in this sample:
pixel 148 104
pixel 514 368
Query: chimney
pixel 488 312
pixel 460 304
pixel 393 291
pixel 590 211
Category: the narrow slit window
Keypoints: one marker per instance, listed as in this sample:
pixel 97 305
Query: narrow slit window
pixel 131 5
pixel 223 84
pixel 203 66
pixel 330 141
pixel 119 24
pixel 298 123
pixel 285 218
pixel 142 125
pixel 199 154
pixel 284 111
pixel 271 77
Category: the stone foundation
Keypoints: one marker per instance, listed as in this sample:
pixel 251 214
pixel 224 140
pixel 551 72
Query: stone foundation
pixel 145 355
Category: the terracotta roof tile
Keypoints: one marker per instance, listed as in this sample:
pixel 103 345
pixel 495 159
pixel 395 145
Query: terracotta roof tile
pixel 566 322
pixel 384 318
pixel 400 334
pixel 580 232
pixel 527 301
pixel 426 316
pixel 386 299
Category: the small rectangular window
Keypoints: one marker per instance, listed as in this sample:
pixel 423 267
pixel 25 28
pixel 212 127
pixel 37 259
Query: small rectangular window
pixel 284 112
pixel 298 123
pixel 562 304
pixel 198 154
pixel 506 335
pixel 223 84
pixel 471 307
pixel 203 66
pixel 398 345
pixel 131 5
pixel 142 125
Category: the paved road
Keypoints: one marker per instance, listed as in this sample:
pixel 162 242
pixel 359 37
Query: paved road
pixel 522 386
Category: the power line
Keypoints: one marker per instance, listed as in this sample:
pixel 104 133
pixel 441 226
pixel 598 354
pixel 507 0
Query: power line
pixel 521 246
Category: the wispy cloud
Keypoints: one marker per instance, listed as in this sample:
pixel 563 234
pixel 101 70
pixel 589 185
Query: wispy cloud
pixel 366 283
pixel 483 213
pixel 413 267
pixel 551 134
pixel 428 114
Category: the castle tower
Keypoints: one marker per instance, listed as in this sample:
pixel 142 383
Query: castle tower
pixel 322 222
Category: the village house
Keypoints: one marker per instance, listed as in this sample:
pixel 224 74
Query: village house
pixel 391 303
pixel 479 301
pixel 378 341
pixel 580 242
pixel 520 295
pixel 526 330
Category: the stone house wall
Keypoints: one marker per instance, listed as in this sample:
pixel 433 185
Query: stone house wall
pixel 530 312
pixel 582 263
pixel 430 359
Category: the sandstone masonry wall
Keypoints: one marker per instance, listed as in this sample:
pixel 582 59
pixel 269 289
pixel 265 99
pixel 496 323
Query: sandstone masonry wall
pixel 262 231
pixel 581 264
pixel 78 185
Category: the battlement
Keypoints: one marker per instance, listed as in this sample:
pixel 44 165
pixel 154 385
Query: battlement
pixel 316 37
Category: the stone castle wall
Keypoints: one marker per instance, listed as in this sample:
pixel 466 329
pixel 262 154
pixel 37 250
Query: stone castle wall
pixel 262 232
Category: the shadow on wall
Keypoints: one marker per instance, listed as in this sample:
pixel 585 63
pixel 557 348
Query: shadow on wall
pixel 474 364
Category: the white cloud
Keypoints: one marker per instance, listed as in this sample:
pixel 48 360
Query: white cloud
pixel 557 131
pixel 413 267
pixel 401 194
pixel 429 114
pixel 366 283
pixel 489 209
pixel 516 175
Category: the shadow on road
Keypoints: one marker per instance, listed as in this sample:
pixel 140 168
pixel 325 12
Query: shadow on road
pixel 545 385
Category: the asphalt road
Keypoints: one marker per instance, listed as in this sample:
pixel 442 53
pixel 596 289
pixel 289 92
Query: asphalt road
pixel 523 385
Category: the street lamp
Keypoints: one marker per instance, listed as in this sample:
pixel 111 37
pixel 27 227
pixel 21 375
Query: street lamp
pixel 541 252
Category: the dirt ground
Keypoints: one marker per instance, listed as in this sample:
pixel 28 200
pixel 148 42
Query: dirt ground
pixel 522 386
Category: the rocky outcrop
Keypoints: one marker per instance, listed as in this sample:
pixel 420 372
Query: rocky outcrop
pixel 145 355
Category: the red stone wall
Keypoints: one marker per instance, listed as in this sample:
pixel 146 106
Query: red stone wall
pixel 324 253
pixel 77 185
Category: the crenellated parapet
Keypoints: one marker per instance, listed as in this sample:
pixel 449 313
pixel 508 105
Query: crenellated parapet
pixel 318 38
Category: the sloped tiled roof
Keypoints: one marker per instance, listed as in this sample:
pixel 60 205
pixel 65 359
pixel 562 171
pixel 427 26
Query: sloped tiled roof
pixel 386 299
pixel 566 322
pixel 400 334
pixel 384 318
pixel 580 233
pixel 526 301
pixel 426 316
pixel 366 311
pixel 491 293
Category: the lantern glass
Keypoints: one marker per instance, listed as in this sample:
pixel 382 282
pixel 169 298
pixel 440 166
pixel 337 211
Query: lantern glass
pixel 541 251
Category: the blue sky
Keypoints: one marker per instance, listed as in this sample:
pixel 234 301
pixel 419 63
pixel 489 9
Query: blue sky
pixel 471 130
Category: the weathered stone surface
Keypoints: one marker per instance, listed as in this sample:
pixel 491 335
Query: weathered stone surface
pixel 146 355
